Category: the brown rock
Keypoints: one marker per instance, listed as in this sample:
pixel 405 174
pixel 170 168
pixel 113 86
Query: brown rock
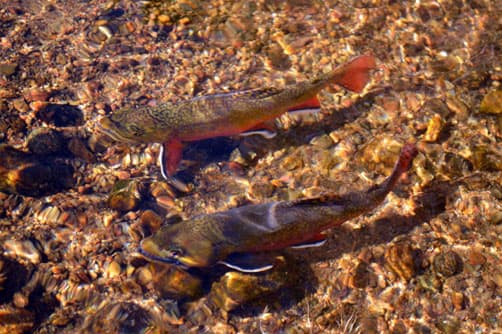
pixel 173 282
pixel 126 195
pixel 78 148
pixel 400 258
pixel 151 220
pixel 44 141
pixel 8 68
pixel 235 288
pixel 476 258
pixel 447 263
pixel 492 103
pixel 36 94
pixel 457 299
pixel 15 320
pixel 32 175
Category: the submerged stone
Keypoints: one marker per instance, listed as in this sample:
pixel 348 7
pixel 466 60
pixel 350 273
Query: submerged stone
pixel 400 258
pixel 492 103
pixel 173 282
pixel 126 195
pixel 236 288
pixel 45 141
pixel 448 263
pixel 61 115
pixel 32 175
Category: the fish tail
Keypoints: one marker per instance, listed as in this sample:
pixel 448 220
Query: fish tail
pixel 403 164
pixel 353 75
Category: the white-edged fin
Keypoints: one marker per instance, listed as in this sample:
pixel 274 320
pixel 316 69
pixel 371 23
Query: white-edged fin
pixel 305 111
pixel 162 152
pixel 170 179
pixel 268 134
pixel 248 263
pixel 317 243
pixel 247 270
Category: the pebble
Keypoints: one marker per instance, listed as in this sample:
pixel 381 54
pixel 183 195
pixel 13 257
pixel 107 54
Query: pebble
pixel 497 278
pixel 113 269
pixel 492 103
pixel 61 115
pixel 447 263
pixel 32 175
pixel 8 69
pixel 457 299
pixel 44 141
pixel 361 276
pixel 125 195
pixel 144 275
pixel 458 107
pixel 380 154
pixel 235 288
pixel 49 215
pixel 15 320
pixel 78 148
pixel 476 258
pixel 151 220
pixel 165 201
pixel 400 259
pixel 171 281
pixel 434 128
pixel 20 105
pixel 323 141
pixel 36 94
pixel 23 249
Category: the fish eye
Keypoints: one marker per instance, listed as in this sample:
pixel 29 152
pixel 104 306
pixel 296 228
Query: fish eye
pixel 176 252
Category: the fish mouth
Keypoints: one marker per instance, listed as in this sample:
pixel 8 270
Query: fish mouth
pixel 156 258
pixel 108 127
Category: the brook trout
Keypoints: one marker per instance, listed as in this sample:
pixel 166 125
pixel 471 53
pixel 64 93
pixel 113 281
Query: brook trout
pixel 239 237
pixel 224 114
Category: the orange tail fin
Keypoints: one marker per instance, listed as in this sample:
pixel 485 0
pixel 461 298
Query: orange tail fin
pixel 354 75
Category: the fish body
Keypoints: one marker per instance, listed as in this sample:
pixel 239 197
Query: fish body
pixel 222 237
pixel 224 114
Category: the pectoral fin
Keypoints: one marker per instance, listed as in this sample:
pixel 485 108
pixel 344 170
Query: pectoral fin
pixel 249 262
pixel 169 158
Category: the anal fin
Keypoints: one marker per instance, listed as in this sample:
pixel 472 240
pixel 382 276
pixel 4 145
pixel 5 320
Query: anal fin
pixel 265 129
pixel 264 133
pixel 310 106
pixel 318 241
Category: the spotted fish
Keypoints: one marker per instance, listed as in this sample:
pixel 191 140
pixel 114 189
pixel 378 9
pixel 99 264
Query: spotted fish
pixel 238 237
pixel 241 112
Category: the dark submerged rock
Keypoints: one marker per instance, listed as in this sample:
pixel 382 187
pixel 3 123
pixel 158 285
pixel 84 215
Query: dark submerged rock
pixel 448 263
pixel 32 175
pixel 61 115
pixel 126 195
pixel 45 141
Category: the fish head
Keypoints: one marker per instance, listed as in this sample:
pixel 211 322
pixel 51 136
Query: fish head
pixel 172 244
pixel 131 126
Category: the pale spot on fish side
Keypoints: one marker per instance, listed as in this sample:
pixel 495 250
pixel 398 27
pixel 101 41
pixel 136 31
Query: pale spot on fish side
pixel 269 225
pixel 271 218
